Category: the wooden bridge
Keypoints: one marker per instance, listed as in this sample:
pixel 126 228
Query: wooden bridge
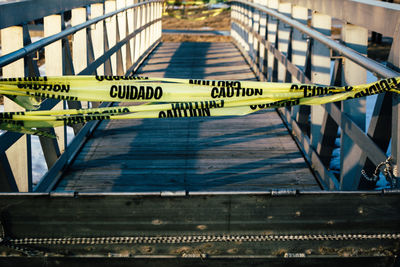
pixel 257 189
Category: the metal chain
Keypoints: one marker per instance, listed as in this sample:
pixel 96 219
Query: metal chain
pixel 387 172
pixel 196 239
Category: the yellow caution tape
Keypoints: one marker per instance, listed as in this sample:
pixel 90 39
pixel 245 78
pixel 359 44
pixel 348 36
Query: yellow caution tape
pixel 167 98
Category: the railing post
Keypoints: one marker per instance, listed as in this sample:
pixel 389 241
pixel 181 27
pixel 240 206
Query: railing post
pixel 299 54
pixel 394 59
pixel 153 17
pixel 98 34
pixel 246 22
pixel 283 39
pixel 143 32
pixel 12 39
pixel 256 29
pixel 79 42
pixel 131 28
pixel 271 37
pixel 244 33
pixel 299 42
pixel 236 30
pixel 356 38
pixel 138 21
pixel 111 28
pixel 148 19
pixel 121 17
pixel 159 23
pixel 263 52
pixel 320 71
pixel 53 55
pixel 251 24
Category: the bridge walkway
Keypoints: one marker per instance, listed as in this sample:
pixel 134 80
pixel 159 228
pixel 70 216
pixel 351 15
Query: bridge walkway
pixel 246 153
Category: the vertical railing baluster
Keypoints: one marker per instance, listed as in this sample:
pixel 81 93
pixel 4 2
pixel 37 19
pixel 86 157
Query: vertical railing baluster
pixel 256 29
pixel 263 51
pixel 299 54
pixel 271 37
pixel 53 54
pixel 143 18
pixel 79 40
pixel 394 60
pixel 111 32
pixel 130 16
pixel 283 38
pixel 98 34
pixel 356 38
pixel 299 41
pixel 320 71
pixel 129 61
pixel 121 17
pixel 79 43
pixel 18 157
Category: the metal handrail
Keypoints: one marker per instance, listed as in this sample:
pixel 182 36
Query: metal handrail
pixel 349 53
pixel 20 53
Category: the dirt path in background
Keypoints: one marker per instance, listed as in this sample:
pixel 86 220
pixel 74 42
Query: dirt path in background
pixel 220 22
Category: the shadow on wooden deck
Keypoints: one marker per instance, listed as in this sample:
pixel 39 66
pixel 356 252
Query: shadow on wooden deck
pixel 247 153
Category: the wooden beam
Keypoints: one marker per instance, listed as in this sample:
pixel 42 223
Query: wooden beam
pixel 263 31
pixel 79 42
pixel 130 16
pixel 299 53
pixel 272 28
pixel 394 60
pixel 111 27
pixel 137 17
pixel 54 59
pixel 12 39
pixel 320 71
pixel 356 38
pixel 98 34
pixel 121 17
pixel 284 38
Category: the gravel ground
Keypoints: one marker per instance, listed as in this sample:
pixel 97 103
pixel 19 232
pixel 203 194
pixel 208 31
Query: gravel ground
pixel 220 22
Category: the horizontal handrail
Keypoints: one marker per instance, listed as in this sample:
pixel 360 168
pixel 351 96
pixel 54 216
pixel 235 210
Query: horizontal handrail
pixel 10 11
pixel 20 53
pixel 349 53
pixel 92 67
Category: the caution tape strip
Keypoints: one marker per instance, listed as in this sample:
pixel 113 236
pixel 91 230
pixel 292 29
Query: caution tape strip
pixel 166 98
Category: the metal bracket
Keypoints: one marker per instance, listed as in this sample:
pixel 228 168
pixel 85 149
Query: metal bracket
pixel 283 192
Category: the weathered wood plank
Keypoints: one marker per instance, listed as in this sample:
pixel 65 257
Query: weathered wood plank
pixel 253 152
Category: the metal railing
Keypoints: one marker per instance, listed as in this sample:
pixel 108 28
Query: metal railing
pixel 114 41
pixel 278 42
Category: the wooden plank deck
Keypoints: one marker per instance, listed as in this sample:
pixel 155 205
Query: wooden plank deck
pixel 247 153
